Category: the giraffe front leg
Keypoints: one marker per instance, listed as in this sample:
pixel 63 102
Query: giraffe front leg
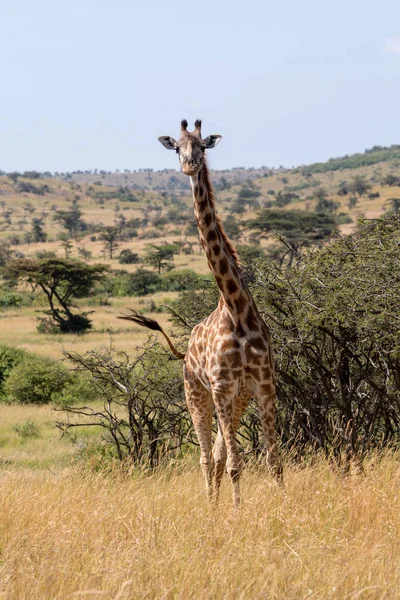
pixel 219 451
pixel 224 406
pixel 219 455
pixel 200 406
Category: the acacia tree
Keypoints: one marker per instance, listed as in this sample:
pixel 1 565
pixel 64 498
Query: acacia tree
pixel 298 228
pixel 110 236
pixel 71 219
pixel 160 257
pixel 61 281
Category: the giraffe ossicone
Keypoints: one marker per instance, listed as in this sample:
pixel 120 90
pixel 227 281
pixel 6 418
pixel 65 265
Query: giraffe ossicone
pixel 229 358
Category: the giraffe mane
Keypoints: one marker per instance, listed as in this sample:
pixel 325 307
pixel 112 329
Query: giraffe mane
pixel 229 246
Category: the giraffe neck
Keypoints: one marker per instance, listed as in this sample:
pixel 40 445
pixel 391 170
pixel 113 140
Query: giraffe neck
pixel 221 255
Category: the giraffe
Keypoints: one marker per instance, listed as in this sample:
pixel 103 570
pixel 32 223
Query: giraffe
pixel 228 360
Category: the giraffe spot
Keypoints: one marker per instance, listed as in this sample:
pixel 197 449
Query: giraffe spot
pixel 223 266
pixel 240 303
pixel 229 345
pixel 211 237
pixel 224 374
pixel 196 190
pixel 216 249
pixel 256 361
pixel 253 372
pixel 199 177
pixel 251 320
pixel 229 303
pixel 231 286
pixel 235 359
pixel 266 372
pixel 240 331
pixel 258 343
pixel 208 219
pixel 267 389
pixel 201 190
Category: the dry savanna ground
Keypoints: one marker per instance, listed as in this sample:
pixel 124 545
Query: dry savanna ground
pixel 71 533
pixel 69 529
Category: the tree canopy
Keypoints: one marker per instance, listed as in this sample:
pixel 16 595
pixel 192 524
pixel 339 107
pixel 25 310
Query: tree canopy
pixel 60 280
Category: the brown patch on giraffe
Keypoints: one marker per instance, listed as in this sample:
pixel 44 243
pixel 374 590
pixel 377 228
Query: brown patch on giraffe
pixel 258 343
pixel 240 303
pixel 267 389
pixel 201 190
pixel 240 331
pixel 251 320
pixel 235 359
pixel 202 205
pixel 219 281
pixel 266 372
pixel 208 219
pixel 231 286
pixel 253 372
pixel 256 360
pixel 196 190
pixel 223 266
pixel 212 237
pixel 229 345
pixel 216 249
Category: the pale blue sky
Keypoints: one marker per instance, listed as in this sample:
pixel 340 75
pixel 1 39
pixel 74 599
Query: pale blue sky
pixel 91 83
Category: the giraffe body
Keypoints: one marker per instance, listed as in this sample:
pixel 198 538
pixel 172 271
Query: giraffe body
pixel 228 360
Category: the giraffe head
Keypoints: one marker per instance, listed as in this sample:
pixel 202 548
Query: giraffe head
pixel 190 147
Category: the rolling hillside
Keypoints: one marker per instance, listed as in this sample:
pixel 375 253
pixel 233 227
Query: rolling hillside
pixel 150 209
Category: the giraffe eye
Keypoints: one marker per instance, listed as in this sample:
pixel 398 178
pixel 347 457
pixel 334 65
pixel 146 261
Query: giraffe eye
pixel 177 149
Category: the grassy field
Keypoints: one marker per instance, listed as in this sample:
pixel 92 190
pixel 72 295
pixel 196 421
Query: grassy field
pixel 71 533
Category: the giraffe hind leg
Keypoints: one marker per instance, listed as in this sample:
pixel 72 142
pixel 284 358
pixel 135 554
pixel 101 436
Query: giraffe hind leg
pixel 219 451
pixel 225 406
pixel 267 407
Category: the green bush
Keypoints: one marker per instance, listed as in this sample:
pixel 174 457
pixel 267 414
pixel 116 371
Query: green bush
pixel 178 280
pixel 10 299
pixel 35 380
pixel 127 257
pixel 9 358
pixel 78 390
pixel 139 283
pixel 27 429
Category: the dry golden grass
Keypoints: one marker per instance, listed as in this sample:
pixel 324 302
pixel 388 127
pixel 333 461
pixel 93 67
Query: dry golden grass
pixel 75 533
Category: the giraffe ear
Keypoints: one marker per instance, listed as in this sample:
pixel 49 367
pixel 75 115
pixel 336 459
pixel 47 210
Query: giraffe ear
pixel 168 142
pixel 212 140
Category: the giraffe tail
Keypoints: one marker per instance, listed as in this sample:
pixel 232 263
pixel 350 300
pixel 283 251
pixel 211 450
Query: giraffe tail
pixel 151 324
